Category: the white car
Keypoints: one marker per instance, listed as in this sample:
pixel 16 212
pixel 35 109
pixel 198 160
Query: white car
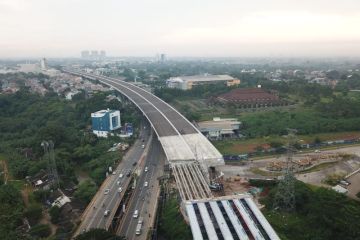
pixel 120 190
pixel 143 146
pixel 118 182
pixel 146 169
pixel 121 175
pixel 106 192
pixel 106 213
pixel 136 214
pixel 114 173
pixel 146 184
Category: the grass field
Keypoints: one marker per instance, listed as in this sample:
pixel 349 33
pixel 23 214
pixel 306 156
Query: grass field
pixel 248 145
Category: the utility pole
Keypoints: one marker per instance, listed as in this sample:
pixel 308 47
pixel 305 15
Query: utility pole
pixel 285 195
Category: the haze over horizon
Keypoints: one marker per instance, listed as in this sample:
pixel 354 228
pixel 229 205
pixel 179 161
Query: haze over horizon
pixel 208 28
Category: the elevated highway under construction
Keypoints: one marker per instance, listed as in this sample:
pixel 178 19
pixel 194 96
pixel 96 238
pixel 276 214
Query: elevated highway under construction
pixel 191 155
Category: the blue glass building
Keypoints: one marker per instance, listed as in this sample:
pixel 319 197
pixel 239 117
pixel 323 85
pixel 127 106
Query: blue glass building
pixel 105 121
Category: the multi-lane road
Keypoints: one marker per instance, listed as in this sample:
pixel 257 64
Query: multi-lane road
pixel 145 195
pixel 94 215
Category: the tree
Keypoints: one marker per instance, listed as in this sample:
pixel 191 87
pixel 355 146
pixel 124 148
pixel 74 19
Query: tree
pixel 98 234
pixel 55 214
pixel 86 191
pixel 40 230
pixel 33 213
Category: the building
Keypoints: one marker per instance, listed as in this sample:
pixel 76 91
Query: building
pixel 105 121
pixel 102 54
pixel 94 54
pixel 187 82
pixel 43 64
pixel 85 54
pixel 218 128
pixel 228 217
pixel 29 67
pixel 250 98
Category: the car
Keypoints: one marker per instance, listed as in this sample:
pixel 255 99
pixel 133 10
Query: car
pixel 128 174
pixel 106 213
pixel 118 182
pixel 146 184
pixel 120 190
pixel 344 182
pixel 317 151
pixel 121 175
pixel 134 164
pixel 114 173
pixel 143 146
pixel 106 191
pixel 136 214
pixel 146 169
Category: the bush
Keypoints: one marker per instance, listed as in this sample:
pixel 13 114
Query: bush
pixel 40 230
pixel 98 234
pixel 333 179
pixel 55 214
pixel 358 194
pixel 86 191
pixel 33 213
pixel 41 195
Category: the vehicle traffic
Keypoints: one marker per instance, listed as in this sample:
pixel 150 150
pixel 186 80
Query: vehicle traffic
pixel 136 214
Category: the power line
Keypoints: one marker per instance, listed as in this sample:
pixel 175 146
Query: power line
pixel 285 195
pixel 50 154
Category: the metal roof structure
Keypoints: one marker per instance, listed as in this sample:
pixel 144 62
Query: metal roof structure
pixel 232 217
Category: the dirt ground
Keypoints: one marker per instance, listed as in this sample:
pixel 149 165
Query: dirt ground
pixel 315 178
pixel 354 187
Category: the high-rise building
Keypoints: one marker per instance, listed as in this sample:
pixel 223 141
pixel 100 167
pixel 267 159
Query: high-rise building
pixel 43 64
pixel 105 121
pixel 94 54
pixel 162 57
pixel 85 54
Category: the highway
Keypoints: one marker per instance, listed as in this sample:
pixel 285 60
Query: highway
pixel 144 198
pixel 93 216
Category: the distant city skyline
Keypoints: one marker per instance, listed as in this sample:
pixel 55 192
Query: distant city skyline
pixel 202 28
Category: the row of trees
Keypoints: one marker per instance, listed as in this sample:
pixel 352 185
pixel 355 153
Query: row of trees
pixel 320 214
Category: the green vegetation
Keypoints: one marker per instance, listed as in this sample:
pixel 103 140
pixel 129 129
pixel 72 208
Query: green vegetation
pixel 28 119
pixel 25 121
pixel 86 191
pixel 40 230
pixel 172 225
pixel 54 214
pixel 11 212
pixel 333 179
pixel 33 213
pixel 98 234
pixel 320 214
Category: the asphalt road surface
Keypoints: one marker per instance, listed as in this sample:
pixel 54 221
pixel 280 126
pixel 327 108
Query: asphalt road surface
pixel 93 217
pixel 144 198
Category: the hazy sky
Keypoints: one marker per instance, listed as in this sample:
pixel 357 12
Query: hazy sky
pixel 62 28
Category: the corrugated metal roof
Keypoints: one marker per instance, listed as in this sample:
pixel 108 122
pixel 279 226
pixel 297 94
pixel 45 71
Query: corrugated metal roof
pixel 228 217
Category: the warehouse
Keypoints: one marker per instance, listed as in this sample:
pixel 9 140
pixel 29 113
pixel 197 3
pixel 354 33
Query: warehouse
pixel 188 82
pixel 220 128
